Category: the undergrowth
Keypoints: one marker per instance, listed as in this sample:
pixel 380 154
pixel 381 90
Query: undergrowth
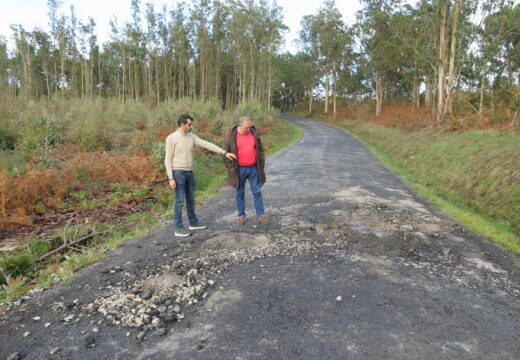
pixel 90 180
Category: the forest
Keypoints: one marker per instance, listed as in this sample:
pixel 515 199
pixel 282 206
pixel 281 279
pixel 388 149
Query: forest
pixel 443 55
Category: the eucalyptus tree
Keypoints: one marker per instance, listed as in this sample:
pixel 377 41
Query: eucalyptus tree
pixel 309 50
pixel 324 37
pixel 378 42
pixel 455 33
pixel 181 49
pixel 255 35
pixel 500 41
pixel 292 73
pixel 23 61
pixel 4 73
pixel 202 48
pixel 200 15
pixel 220 71
pixel 415 47
pixel 42 71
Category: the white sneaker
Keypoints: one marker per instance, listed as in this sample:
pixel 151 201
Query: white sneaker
pixel 182 232
pixel 197 226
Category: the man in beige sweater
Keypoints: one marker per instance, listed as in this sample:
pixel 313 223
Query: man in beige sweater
pixel 179 167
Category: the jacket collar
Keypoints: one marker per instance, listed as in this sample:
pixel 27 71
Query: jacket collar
pixel 253 130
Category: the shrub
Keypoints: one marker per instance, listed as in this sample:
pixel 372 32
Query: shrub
pixel 38 247
pixel 92 135
pixel 169 111
pixel 7 140
pixel 158 154
pixel 38 133
pixel 141 142
pixel 256 110
pixel 17 264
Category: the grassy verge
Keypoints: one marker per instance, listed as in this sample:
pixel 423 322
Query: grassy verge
pixel 473 176
pixel 210 174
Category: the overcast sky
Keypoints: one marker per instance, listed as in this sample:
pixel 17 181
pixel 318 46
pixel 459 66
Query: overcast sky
pixel 33 13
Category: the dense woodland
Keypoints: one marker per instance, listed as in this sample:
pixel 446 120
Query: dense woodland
pixel 427 54
pixel 201 49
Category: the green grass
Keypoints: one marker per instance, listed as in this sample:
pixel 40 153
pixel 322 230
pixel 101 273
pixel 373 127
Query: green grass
pixel 472 176
pixel 281 136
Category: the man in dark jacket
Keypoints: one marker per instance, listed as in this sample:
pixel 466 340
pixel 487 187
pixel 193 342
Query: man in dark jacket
pixel 244 141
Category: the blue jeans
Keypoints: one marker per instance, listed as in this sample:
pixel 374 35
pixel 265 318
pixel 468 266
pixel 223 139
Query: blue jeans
pixel 251 173
pixel 185 189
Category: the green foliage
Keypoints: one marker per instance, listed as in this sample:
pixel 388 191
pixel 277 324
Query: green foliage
pixel 137 193
pixel 38 247
pixel 515 106
pixel 92 135
pixel 17 264
pixel 158 154
pixel 257 111
pixel 217 127
pixel 7 140
pixel 15 288
pixel 38 133
pixel 170 111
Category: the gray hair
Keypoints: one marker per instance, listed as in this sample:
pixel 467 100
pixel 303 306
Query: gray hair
pixel 243 119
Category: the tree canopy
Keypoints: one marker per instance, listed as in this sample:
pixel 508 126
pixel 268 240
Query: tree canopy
pixel 427 53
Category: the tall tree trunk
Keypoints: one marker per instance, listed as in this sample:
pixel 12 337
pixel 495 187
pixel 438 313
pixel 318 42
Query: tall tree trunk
pixel 182 78
pixel 202 62
pixel 269 84
pixel 334 92
pixel 327 89
pixel 252 84
pixel 441 67
pixel 379 94
pixel 453 50
pixel 310 99
pixel 216 93
pixel 427 92
pixel 482 87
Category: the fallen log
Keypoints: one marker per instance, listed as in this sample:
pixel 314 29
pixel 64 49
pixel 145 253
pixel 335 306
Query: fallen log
pixel 68 245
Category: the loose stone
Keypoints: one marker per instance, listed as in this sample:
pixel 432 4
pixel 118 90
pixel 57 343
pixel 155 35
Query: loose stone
pixel 15 356
pixel 90 341
pixel 160 332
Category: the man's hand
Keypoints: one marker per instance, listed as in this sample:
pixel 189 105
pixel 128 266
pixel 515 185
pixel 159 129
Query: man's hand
pixel 231 156
pixel 173 185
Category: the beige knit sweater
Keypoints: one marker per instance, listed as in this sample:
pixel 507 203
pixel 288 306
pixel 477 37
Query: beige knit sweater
pixel 179 151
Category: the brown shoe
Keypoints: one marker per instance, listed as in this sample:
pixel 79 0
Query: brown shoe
pixel 263 220
pixel 242 220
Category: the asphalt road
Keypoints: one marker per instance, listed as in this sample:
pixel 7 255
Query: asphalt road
pixel 354 265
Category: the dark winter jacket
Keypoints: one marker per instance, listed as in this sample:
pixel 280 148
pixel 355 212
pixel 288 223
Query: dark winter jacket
pixel 230 145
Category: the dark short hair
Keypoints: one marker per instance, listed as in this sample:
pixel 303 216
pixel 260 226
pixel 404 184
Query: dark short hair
pixel 183 119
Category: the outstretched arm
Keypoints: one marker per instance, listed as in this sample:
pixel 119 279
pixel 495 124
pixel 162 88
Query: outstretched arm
pixel 212 147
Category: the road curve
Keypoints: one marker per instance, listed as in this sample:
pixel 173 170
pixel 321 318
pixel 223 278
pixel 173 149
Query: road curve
pixel 354 265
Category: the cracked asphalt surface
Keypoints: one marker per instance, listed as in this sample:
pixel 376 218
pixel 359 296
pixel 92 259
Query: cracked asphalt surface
pixel 354 265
